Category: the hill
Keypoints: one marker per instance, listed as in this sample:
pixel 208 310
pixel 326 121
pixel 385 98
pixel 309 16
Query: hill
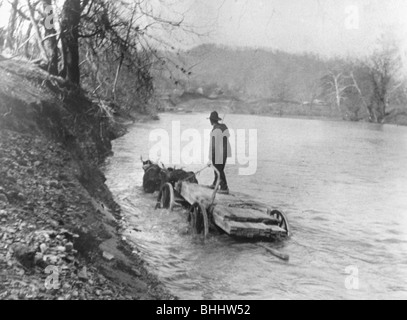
pixel 260 81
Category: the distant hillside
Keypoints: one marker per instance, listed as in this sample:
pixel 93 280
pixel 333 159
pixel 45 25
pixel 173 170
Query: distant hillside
pixel 244 73
pixel 259 81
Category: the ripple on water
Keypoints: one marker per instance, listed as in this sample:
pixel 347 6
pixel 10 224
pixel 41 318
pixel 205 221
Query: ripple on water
pixel 323 175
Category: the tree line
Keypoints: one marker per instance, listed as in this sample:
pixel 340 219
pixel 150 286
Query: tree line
pixel 371 87
pixel 106 47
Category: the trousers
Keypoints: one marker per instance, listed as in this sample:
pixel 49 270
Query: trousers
pixel 221 169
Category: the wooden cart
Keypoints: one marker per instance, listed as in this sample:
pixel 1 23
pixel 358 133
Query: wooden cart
pixel 235 214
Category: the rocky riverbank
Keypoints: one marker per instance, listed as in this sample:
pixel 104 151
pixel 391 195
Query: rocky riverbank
pixel 60 230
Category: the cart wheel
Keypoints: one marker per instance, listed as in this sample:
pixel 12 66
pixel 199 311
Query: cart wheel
pixel 167 197
pixel 282 220
pixel 198 220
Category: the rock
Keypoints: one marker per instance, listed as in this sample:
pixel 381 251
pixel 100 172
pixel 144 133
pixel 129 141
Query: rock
pixel 69 247
pixel 20 272
pixel 37 163
pixel 53 184
pixel 43 248
pixel 98 292
pixel 51 259
pixel 136 272
pixel 54 223
pixel 108 293
pixel 25 255
pixel 38 257
pixel 107 256
pixel 61 249
pixel 83 274
pixel 11 230
pixel 3 198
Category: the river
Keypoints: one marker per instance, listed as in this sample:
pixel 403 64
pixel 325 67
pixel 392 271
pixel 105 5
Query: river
pixel 342 185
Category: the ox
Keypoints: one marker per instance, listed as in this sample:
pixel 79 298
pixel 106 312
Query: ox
pixel 155 177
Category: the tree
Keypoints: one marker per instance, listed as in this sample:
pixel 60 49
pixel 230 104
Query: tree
pixel 70 19
pixel 360 80
pixel 11 27
pixel 336 85
pixel 34 24
pixel 50 39
pixel 383 67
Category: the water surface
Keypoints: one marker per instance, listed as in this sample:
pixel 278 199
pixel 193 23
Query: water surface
pixel 343 186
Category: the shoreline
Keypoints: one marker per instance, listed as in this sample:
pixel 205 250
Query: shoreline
pixel 299 117
pixel 61 230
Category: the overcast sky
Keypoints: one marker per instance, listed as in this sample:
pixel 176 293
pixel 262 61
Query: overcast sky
pixel 323 26
pixel 327 27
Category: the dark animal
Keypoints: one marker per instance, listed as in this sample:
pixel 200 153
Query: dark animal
pixel 152 176
pixel 173 176
pixel 155 177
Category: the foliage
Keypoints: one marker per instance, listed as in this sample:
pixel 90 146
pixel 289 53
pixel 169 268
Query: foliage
pixel 108 47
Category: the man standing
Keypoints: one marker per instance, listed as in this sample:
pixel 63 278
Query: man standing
pixel 220 150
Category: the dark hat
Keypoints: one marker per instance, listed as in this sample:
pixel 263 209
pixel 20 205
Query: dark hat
pixel 215 116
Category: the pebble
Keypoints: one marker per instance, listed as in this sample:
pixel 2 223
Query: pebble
pixel 83 274
pixel 54 223
pixel 3 199
pixel 136 272
pixel 38 257
pixel 53 184
pixel 20 272
pixel 11 230
pixel 52 259
pixel 43 248
pixel 69 247
pixel 107 256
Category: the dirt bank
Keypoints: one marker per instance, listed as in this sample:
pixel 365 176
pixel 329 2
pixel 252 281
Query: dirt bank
pixel 60 231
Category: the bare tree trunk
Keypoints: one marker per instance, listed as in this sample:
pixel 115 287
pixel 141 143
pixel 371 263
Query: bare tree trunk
pixel 27 44
pixel 369 107
pixel 380 94
pixel 123 49
pixel 338 97
pixel 71 15
pixel 9 43
pixel 51 43
pixel 37 31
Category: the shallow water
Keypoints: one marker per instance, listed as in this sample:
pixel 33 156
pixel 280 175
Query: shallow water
pixel 342 185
